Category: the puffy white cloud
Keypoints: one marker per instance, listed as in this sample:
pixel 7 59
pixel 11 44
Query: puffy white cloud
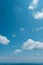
pixel 33 5
pixel 17 51
pixel 38 15
pixel 31 45
pixel 4 40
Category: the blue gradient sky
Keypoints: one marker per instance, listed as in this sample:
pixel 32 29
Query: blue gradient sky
pixel 18 25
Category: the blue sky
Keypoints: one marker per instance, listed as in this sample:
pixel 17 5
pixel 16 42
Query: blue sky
pixel 21 31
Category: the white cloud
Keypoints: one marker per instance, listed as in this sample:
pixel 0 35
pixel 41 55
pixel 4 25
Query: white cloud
pixel 31 45
pixel 17 51
pixel 33 5
pixel 38 15
pixel 22 29
pixel 37 29
pixel 4 40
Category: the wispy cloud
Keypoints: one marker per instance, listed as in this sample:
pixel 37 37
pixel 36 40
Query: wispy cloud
pixel 33 5
pixel 17 51
pixel 17 9
pixel 6 57
pixel 31 45
pixel 14 35
pixel 4 40
pixel 37 29
pixel 22 29
pixel 38 15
